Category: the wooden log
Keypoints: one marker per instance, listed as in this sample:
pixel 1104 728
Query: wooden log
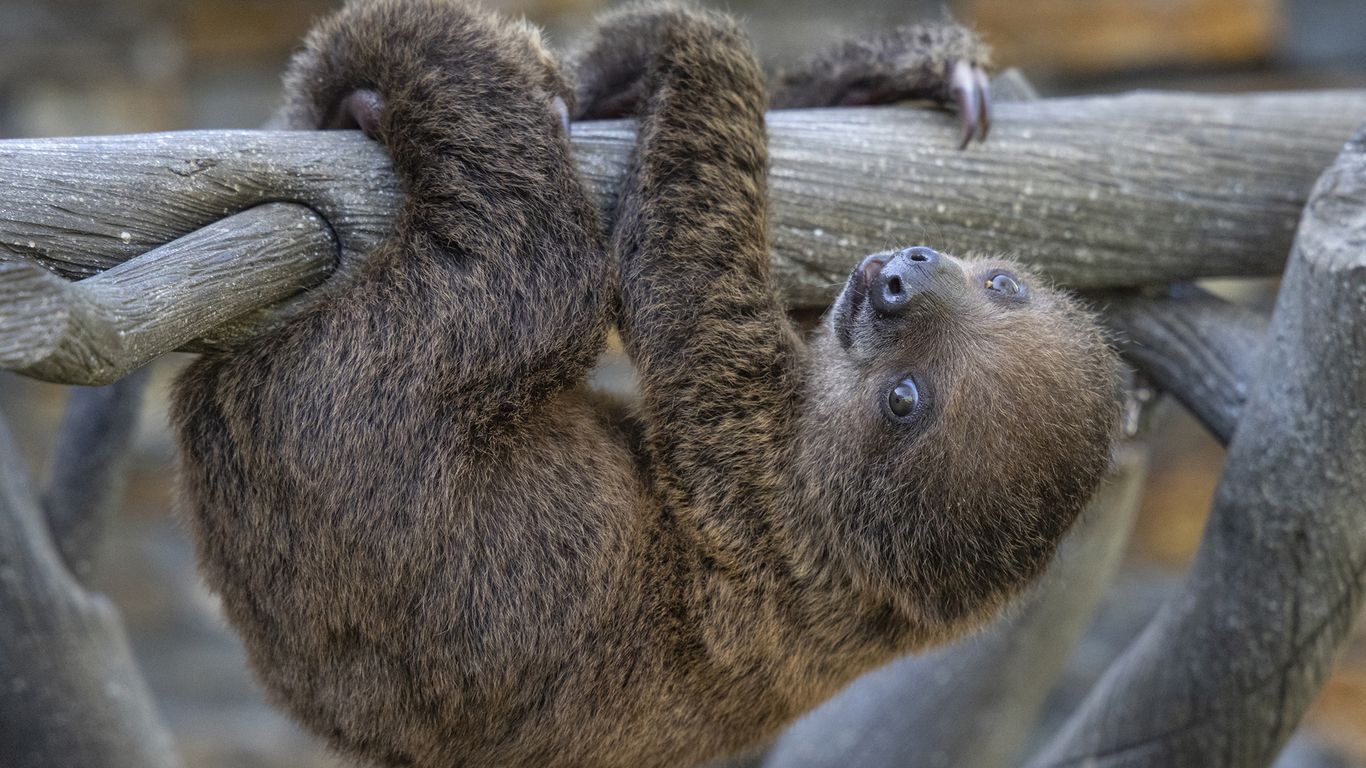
pixel 1099 191
pixel 96 330
pixel 1201 349
pixel 1222 677
pixel 70 693
pixel 1095 192
pixel 88 466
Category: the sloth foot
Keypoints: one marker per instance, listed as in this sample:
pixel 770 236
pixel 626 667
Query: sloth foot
pixel 971 94
pixel 360 109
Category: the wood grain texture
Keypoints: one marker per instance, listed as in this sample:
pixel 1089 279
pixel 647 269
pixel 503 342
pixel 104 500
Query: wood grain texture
pixel 1202 350
pixel 88 467
pixel 1113 191
pixel 1222 677
pixel 1099 191
pixel 71 693
pixel 96 330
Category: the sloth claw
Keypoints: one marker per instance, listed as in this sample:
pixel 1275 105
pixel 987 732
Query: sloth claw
pixel 984 94
pixel 971 94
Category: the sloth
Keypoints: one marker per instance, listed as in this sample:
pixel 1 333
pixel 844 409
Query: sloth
pixel 442 548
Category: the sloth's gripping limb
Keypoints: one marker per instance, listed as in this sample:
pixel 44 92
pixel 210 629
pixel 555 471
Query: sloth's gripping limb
pixel 367 480
pixel 944 63
pixel 493 266
pixel 717 358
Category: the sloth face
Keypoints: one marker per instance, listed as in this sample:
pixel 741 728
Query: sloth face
pixel 926 331
pixel 921 334
pixel 974 403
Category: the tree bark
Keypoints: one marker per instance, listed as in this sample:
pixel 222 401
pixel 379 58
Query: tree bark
pixel 97 330
pixel 88 467
pixel 1097 191
pixel 70 693
pixel 1202 350
pixel 1224 674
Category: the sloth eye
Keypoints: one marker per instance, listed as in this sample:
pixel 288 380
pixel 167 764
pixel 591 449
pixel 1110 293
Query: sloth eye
pixel 1005 284
pixel 904 398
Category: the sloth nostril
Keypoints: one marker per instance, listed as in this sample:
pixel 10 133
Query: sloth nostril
pixel 894 285
pixel 921 255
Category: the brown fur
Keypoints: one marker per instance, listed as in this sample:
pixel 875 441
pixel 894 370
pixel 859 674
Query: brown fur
pixel 906 63
pixel 441 549
pixel 911 62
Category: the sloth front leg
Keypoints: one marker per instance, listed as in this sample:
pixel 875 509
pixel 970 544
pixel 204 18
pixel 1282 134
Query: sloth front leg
pixel 944 63
pixel 493 290
pixel 716 355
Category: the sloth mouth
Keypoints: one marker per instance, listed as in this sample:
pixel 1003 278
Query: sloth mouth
pixel 855 296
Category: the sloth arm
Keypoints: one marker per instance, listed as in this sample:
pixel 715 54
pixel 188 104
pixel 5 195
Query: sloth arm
pixel 492 294
pixel 939 62
pixel 397 492
pixel 717 359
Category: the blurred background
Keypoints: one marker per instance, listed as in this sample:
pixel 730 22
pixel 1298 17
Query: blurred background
pixel 73 67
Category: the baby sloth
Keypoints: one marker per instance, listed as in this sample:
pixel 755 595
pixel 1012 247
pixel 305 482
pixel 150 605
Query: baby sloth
pixel 442 549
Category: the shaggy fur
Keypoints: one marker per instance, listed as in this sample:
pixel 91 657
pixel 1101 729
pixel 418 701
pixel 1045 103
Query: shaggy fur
pixel 441 549
pixel 906 63
pixel 912 62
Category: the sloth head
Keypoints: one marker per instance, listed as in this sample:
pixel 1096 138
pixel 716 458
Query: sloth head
pixel 962 412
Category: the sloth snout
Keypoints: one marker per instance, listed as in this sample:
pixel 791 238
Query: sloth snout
pixel 895 281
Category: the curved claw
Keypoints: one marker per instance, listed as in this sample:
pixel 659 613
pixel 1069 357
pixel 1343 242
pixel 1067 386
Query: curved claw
pixel 972 95
pixel 984 94
pixel 963 87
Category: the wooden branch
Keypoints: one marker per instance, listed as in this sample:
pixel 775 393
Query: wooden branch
pixel 1222 677
pixel 96 330
pixel 1097 192
pixel 973 703
pixel 71 694
pixel 1201 349
pixel 88 466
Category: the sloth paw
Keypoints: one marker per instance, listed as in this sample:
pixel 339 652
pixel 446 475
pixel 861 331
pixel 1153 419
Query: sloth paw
pixel 970 91
pixel 360 109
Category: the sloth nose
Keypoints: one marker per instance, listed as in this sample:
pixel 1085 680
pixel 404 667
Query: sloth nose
pixel 903 276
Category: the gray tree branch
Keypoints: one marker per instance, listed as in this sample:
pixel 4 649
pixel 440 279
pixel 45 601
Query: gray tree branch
pixel 88 466
pixel 1201 349
pixel 70 693
pixel 1103 191
pixel 1224 674
pixel 96 330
